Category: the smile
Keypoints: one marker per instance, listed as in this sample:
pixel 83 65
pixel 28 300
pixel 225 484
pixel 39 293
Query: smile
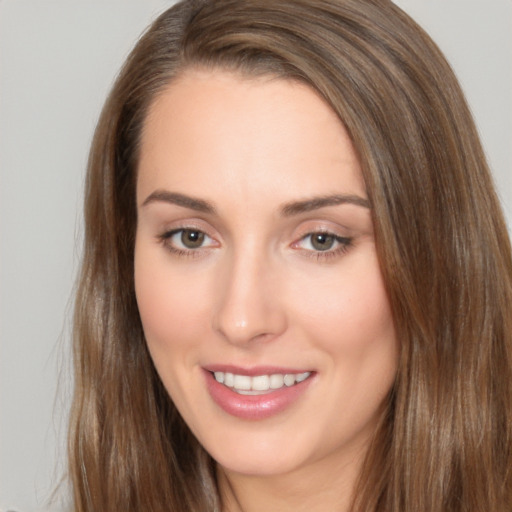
pixel 259 384
pixel 256 393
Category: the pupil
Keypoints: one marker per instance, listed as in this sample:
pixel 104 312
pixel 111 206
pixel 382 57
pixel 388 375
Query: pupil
pixel 322 241
pixel 192 239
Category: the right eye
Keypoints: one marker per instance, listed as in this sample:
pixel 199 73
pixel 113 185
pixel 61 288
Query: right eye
pixel 186 240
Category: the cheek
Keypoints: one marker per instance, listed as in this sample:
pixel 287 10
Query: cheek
pixel 156 306
pixel 352 323
pixel 170 305
pixel 348 310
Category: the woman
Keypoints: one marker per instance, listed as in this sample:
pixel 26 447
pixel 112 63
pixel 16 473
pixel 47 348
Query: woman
pixel 297 280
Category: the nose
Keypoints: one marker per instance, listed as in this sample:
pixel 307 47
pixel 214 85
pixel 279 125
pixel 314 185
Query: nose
pixel 249 306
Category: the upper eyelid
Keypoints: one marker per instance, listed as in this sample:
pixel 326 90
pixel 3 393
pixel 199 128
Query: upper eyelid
pixel 181 225
pixel 326 228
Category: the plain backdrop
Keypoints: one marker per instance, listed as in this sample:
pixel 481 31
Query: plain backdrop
pixel 57 61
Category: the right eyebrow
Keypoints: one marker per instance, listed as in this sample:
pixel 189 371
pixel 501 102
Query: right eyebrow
pixel 315 203
pixel 178 199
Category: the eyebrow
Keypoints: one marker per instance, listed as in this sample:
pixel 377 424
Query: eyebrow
pixel 183 200
pixel 315 203
pixel 287 210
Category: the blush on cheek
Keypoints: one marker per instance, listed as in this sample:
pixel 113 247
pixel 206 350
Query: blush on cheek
pixel 152 302
pixel 351 315
pixel 170 311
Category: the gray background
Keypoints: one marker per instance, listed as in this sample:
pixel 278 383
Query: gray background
pixel 57 61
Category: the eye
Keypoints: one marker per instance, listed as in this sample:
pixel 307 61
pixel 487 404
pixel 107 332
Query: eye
pixel 323 242
pixel 186 240
pixel 191 239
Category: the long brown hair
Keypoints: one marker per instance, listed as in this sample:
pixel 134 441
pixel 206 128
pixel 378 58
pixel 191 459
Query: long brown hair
pixel 444 442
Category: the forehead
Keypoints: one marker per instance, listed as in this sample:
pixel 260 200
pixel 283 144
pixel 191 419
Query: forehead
pixel 216 130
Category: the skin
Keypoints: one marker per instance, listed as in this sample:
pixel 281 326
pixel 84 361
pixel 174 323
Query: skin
pixel 257 291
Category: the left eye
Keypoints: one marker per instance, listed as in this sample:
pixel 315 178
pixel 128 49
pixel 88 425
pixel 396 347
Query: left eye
pixel 188 239
pixel 322 242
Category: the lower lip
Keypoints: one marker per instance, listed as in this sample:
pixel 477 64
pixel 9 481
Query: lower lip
pixel 254 407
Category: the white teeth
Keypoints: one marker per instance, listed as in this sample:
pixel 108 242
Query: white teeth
pixel 242 382
pixel 229 380
pixel 259 383
pixel 276 381
pixel 289 380
pixel 302 376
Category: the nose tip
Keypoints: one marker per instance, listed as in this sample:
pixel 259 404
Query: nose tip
pixel 249 309
pixel 240 332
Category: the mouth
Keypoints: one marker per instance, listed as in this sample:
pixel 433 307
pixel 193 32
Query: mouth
pixel 259 384
pixel 256 393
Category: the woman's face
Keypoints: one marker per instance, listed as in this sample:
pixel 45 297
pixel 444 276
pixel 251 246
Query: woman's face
pixel 256 273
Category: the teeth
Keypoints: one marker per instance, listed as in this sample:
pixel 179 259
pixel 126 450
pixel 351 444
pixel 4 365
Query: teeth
pixel 260 383
pixel 302 376
pixel 242 382
pixel 289 380
pixel 276 381
pixel 229 380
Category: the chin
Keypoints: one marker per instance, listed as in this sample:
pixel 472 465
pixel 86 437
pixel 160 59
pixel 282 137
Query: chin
pixel 258 464
pixel 260 453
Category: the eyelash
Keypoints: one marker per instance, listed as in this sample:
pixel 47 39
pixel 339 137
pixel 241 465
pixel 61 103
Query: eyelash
pixel 166 237
pixel 343 244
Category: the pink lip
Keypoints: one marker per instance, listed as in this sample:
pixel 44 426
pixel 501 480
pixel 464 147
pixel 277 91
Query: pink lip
pixel 253 407
pixel 253 370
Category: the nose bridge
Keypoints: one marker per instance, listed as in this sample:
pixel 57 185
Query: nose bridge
pixel 249 305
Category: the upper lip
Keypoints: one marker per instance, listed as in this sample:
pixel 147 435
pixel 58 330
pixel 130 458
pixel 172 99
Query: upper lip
pixel 252 371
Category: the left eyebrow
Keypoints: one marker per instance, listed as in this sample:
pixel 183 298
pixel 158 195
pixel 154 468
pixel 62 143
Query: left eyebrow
pixel 182 200
pixel 315 203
